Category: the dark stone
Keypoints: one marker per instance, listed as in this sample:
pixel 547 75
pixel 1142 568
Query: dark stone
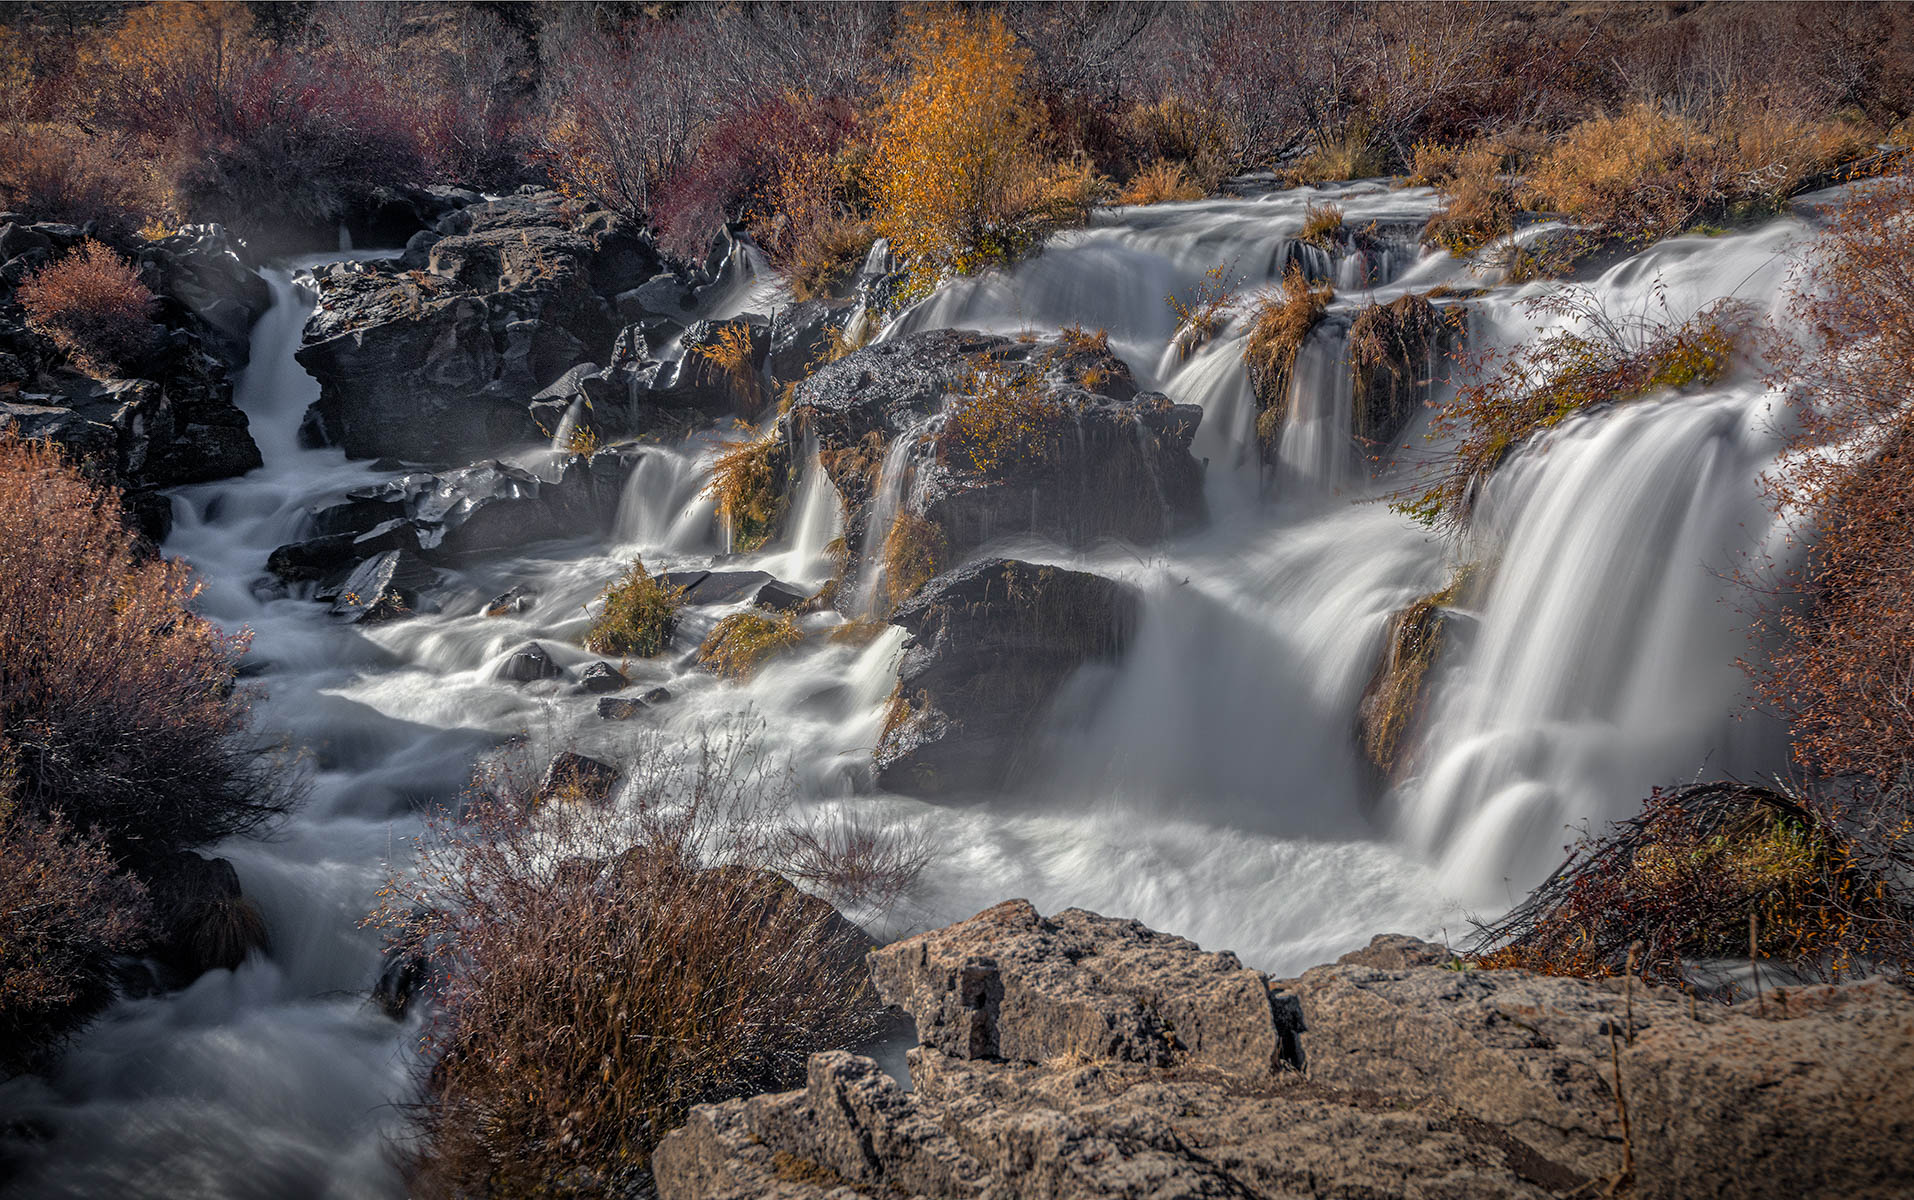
pixel 516 599
pixel 575 778
pixel 991 645
pixel 336 554
pixel 716 587
pixel 800 337
pixel 382 588
pixel 657 695
pixel 620 708
pixel 203 922
pixel 601 677
pixel 527 664
pixel 780 597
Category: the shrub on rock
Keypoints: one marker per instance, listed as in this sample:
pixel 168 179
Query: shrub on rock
pixel 638 616
pixel 749 482
pixel 743 642
pixel 93 306
pixel 1280 324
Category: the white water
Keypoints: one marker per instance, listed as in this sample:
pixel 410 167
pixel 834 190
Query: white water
pixel 1209 785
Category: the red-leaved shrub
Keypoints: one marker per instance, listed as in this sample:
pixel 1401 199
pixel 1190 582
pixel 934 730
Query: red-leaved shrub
pixel 93 306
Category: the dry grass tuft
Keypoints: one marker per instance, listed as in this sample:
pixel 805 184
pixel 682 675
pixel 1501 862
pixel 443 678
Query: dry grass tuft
pixel 745 481
pixel 745 641
pixel 1322 224
pixel 1350 154
pixel 732 352
pixel 1161 182
pixel 914 554
pixel 1278 327
pixel 638 617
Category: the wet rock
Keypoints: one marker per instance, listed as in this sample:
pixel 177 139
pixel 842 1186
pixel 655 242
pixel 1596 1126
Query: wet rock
pixel 991 645
pixel 516 599
pixel 203 921
pixel 717 587
pixel 601 677
pixel 779 596
pixel 620 708
pixel 382 588
pixel 1397 350
pixel 800 337
pixel 440 363
pixel 401 980
pixel 575 779
pixel 338 554
pixel 657 695
pixel 1086 1056
pixel 527 664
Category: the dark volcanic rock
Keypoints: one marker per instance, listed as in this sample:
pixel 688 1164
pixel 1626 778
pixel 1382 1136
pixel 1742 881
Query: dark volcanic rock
pixel 601 677
pixel 441 363
pixel 574 777
pixel 1082 1056
pixel 620 708
pixel 203 920
pixel 382 588
pixel 991 645
pixel 1101 460
pixel 527 664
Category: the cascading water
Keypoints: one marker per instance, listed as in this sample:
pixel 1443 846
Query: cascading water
pixel 1209 784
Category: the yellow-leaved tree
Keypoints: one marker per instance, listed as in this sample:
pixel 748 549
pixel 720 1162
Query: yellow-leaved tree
pixel 960 178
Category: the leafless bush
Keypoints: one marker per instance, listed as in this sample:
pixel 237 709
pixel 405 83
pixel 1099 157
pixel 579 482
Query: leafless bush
pixel 607 967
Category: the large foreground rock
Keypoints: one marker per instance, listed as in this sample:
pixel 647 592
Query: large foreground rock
pixel 991 645
pixel 1083 1056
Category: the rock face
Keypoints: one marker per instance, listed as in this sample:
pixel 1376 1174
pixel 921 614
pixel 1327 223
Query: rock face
pixel 443 518
pixel 1083 1056
pixel 171 419
pixel 463 348
pixel 1107 460
pixel 991 644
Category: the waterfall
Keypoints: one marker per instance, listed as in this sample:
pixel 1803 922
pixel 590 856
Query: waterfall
pixel 1208 782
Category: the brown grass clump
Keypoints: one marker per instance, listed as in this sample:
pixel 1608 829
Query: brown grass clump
pixel 1642 174
pixel 1161 182
pixel 1322 224
pixel 1515 395
pixel 601 970
pixel 914 553
pixel 1278 327
pixel 1393 700
pixel 732 353
pixel 1203 312
pixel 1001 422
pixel 1701 871
pixel 1348 154
pixel 746 482
pixel 93 306
pixel 858 633
pixel 1392 348
pixel 1481 206
pixel 742 642
pixel 120 705
pixel 638 617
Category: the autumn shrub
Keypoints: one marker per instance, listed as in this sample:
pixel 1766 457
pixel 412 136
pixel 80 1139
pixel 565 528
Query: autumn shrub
pixel 1509 396
pixel 1002 420
pixel 1841 626
pixel 915 552
pixel 742 642
pixel 733 354
pixel 61 173
pixel 959 179
pixel 92 305
pixel 1279 325
pixel 638 615
pixel 1350 153
pixel 1715 871
pixel 1190 137
pixel 1641 174
pixel 601 969
pixel 66 911
pixel 120 705
pixel 748 483
pixel 1161 182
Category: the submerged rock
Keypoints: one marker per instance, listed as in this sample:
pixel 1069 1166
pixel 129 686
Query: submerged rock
pixel 991 645
pixel 1081 1055
pixel 528 664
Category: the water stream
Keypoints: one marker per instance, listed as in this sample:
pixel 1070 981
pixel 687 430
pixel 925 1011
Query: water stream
pixel 1208 785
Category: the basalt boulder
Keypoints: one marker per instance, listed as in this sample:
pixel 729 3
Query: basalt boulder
pixel 991 646
pixel 441 363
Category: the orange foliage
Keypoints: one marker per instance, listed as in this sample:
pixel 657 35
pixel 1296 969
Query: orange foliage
pixel 93 306
pixel 959 178
pixel 176 66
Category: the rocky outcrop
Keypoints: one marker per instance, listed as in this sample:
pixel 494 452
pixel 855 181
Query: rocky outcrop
pixel 169 419
pixel 445 517
pixel 1083 1056
pixel 1090 457
pixel 991 645
pixel 462 348
pixel 1396 352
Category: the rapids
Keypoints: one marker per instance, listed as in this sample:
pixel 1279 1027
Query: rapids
pixel 1209 785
